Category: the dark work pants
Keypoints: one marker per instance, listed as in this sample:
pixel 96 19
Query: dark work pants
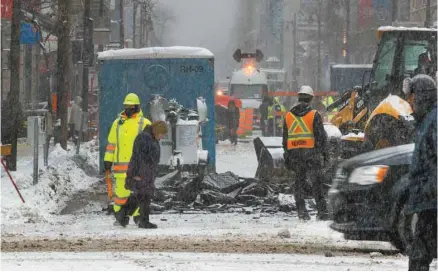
pixel 71 132
pixel 144 202
pixel 424 244
pixel 270 128
pixel 313 169
pixel 233 135
pixel 263 126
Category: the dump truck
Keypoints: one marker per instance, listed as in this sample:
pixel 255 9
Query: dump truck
pixel 374 115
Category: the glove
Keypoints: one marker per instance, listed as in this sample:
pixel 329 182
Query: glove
pixel 107 166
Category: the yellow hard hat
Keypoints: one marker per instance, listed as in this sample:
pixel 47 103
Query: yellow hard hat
pixel 131 99
pixel 276 99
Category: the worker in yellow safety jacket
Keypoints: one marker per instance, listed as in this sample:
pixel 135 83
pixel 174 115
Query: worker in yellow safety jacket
pixel 118 153
pixel 276 113
pixel 327 101
pixel 306 152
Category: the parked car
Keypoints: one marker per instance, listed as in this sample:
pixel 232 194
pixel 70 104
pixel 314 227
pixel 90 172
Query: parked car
pixel 368 196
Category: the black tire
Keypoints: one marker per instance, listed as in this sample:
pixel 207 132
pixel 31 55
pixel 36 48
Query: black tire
pixel 402 234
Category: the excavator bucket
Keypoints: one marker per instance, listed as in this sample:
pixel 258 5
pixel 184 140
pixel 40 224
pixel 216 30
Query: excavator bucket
pixel 269 152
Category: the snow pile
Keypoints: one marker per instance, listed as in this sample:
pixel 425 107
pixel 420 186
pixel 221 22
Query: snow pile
pixel 402 28
pixel 332 131
pixel 66 176
pixel 360 135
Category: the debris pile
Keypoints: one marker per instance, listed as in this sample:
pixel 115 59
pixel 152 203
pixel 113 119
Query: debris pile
pixel 224 192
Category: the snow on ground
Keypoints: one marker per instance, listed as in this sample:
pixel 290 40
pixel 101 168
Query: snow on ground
pixel 203 226
pixel 135 261
pixel 56 183
pixel 39 218
pixel 240 159
pixel 42 207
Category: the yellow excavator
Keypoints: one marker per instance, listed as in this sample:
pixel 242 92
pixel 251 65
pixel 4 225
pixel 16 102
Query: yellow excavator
pixel 379 108
pixel 376 114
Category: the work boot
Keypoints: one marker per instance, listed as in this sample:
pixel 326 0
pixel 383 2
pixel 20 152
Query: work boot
pixel 323 217
pixel 121 217
pixel 302 211
pixel 146 225
pixel 304 216
pixel 123 223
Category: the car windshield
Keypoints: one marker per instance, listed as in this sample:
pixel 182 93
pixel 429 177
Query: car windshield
pixel 247 91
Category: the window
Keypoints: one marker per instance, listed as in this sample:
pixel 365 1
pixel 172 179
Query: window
pixel 385 61
pixel 411 52
pixel 247 91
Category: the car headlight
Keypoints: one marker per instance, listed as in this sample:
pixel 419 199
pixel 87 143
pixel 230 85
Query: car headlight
pixel 368 175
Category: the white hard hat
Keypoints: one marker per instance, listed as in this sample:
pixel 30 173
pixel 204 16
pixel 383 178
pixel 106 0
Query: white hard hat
pixel 306 90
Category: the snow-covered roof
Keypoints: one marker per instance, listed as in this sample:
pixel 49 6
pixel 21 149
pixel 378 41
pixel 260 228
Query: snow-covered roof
pixel 256 78
pixel 402 28
pixel 352 66
pixel 272 70
pixel 156 53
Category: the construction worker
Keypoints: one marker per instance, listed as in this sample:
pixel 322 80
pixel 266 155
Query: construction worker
pixel 304 141
pixel 276 113
pixel 119 150
pixel 327 101
pixel 422 191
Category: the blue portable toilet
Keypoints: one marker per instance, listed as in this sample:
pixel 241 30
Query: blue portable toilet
pixel 181 73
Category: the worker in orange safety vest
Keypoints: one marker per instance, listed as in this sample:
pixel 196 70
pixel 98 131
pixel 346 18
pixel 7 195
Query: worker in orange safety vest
pixel 304 141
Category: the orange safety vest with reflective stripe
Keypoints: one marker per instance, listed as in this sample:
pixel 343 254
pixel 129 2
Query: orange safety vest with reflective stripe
pixel 121 141
pixel 300 130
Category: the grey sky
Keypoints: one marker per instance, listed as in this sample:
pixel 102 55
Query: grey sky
pixel 204 23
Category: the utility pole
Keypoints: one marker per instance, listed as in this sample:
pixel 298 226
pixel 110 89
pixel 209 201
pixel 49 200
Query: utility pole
pixel 428 14
pixel 100 49
pixel 86 63
pixel 318 80
pixel 122 26
pixel 347 33
pixel 134 23
pixel 394 5
pixel 294 65
pixel 13 97
pixel 65 65
pixel 142 24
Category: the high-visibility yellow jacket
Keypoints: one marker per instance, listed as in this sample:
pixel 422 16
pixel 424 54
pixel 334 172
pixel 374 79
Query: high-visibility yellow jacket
pixel 277 112
pixel 327 102
pixel 273 112
pixel 121 141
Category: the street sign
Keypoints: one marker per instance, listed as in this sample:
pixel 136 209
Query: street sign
pixel 29 34
pixel 6 9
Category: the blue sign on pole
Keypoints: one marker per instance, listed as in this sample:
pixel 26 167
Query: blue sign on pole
pixel 382 9
pixel 29 34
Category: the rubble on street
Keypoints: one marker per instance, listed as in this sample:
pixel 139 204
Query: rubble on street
pixel 224 192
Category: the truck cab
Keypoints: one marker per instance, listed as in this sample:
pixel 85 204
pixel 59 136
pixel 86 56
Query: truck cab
pixel 402 52
pixel 248 84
